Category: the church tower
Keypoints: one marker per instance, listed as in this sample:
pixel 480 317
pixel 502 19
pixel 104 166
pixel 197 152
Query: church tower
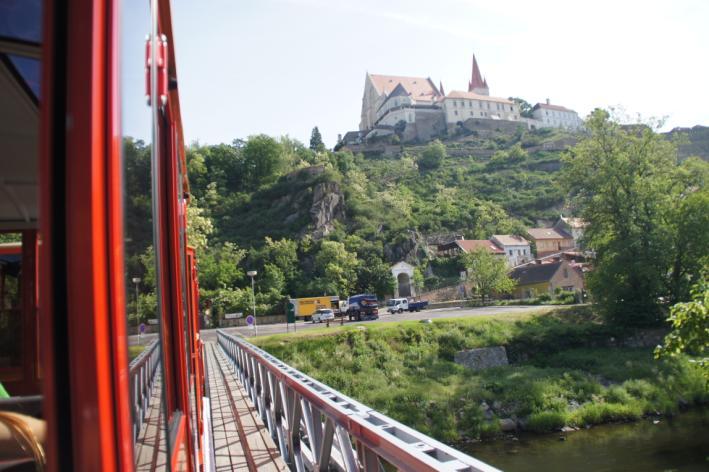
pixel 477 84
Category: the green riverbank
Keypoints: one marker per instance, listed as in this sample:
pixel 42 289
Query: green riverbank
pixel 561 373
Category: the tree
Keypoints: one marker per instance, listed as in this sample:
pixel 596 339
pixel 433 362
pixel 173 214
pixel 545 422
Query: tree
pixel 262 160
pixel 199 227
pixel 525 109
pixel 690 328
pixel 433 156
pixel 337 268
pixel 316 143
pixel 374 276
pixel 626 184
pixel 487 273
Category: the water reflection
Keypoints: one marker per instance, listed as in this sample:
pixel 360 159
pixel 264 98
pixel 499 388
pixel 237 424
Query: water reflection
pixel 679 443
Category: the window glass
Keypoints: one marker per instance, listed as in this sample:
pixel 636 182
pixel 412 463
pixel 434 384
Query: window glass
pixel 142 313
pixel 10 301
pixel 21 20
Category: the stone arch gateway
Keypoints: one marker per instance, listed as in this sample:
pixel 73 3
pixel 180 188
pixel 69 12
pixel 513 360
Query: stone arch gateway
pixel 403 273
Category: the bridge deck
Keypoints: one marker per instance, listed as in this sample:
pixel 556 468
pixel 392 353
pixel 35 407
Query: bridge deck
pixel 150 447
pixel 241 441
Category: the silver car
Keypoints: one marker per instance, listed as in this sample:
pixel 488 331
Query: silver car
pixel 323 314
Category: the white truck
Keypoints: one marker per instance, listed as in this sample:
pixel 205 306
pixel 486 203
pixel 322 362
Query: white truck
pixel 397 305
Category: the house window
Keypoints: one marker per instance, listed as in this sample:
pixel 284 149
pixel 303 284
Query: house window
pixel 566 273
pixel 510 252
pixel 455 112
pixel 568 288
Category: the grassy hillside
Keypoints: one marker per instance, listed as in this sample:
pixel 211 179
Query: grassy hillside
pixel 558 374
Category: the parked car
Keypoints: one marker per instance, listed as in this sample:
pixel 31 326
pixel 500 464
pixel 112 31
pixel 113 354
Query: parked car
pixel 323 314
pixel 397 305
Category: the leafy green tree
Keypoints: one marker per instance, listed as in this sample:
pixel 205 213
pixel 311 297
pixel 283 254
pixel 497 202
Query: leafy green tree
pixel 433 156
pixel 262 160
pixel 689 220
pixel 199 227
pixel 374 276
pixel 316 143
pixel 525 108
pixel 690 328
pixel 487 273
pixel 624 181
pixel 219 267
pixel 508 157
pixel 337 268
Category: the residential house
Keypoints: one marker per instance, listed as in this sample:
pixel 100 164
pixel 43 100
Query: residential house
pixel 460 246
pixel 550 240
pixel 516 248
pixel 535 279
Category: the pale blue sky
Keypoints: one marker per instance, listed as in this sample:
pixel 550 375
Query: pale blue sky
pixel 284 66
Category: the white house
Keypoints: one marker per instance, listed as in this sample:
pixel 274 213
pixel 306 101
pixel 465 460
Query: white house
pixel 556 116
pixel 516 248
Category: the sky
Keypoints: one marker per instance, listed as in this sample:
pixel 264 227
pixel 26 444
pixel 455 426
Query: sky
pixel 280 67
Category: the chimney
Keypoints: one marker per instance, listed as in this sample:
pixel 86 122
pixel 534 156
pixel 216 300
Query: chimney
pixel 548 102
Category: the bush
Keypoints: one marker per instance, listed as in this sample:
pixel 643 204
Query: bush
pixel 546 421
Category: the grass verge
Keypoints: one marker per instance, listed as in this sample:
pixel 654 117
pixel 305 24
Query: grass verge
pixel 561 373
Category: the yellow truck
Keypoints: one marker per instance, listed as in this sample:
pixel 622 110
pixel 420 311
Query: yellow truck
pixel 305 307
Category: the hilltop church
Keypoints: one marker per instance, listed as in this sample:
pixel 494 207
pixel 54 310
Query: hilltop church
pixel 394 103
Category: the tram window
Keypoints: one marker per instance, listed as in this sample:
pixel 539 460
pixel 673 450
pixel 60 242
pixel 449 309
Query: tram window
pixel 10 301
pixel 141 298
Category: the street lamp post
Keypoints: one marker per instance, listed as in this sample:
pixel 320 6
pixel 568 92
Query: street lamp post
pixel 136 281
pixel 252 274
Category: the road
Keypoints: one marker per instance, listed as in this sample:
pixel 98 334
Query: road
pixel 453 312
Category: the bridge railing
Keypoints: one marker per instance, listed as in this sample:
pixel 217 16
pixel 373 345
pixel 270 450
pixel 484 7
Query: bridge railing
pixel 319 428
pixel 142 371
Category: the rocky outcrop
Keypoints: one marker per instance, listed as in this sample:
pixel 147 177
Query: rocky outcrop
pixel 327 207
pixel 410 247
pixel 482 358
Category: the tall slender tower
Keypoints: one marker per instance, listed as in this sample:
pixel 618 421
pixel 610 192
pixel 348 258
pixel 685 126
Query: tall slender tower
pixel 477 84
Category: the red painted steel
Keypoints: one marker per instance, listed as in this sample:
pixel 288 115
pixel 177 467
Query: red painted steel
pixel 81 278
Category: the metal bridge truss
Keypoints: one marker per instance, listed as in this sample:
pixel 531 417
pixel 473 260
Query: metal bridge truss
pixel 319 428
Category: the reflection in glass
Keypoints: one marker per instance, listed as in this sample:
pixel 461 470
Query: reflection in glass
pixel 142 313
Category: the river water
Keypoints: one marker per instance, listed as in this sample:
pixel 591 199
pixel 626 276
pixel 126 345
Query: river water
pixel 674 444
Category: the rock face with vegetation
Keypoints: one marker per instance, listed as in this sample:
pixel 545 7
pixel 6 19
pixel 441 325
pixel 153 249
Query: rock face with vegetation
pixel 328 207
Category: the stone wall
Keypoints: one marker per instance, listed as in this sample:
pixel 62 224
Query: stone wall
pixel 487 128
pixel 482 358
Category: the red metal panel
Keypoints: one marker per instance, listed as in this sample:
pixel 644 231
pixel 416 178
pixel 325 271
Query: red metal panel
pixel 94 310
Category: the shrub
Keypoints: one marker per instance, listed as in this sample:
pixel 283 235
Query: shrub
pixel 546 421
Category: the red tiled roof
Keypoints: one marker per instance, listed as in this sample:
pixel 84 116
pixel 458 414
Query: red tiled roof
pixel 418 87
pixel 548 233
pixel 468 245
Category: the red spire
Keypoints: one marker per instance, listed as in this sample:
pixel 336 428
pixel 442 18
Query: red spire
pixel 476 80
pixel 440 87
